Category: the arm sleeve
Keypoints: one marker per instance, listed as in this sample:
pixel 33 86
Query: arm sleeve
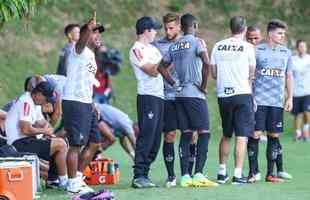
pixel 137 57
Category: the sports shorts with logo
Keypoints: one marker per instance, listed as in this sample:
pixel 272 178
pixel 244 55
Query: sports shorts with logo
pixel 269 118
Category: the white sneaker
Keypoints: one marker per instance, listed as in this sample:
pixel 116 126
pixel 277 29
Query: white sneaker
pixel 171 182
pixel 257 177
pixel 80 179
pixel 75 187
pixel 284 175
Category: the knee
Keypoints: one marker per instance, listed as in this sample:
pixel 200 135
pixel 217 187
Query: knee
pixel 59 144
pixel 170 137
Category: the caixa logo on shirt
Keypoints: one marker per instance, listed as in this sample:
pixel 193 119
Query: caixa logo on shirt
pixel 180 46
pixel 91 68
pixel 274 72
pixel 229 90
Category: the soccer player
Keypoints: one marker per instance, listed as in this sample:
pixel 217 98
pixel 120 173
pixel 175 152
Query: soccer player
pixel 172 33
pixel 144 59
pixel 233 67
pixel 77 105
pixel 273 75
pixel 190 57
pixel 253 36
pixel 301 99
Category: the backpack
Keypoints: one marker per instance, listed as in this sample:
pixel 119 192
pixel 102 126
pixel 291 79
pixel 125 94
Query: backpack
pixel 101 195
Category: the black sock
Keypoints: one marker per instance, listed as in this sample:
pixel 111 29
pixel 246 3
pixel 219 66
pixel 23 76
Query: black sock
pixel 271 154
pixel 279 161
pixel 253 155
pixel 202 151
pixel 192 157
pixel 184 153
pixel 168 153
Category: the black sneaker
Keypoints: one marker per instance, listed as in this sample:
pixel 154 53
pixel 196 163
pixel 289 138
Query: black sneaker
pixel 239 181
pixel 142 182
pixel 222 179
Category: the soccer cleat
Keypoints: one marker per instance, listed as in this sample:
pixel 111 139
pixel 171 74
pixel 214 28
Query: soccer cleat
pixel 52 184
pixel 199 180
pixel 171 182
pixel 251 179
pixel 284 175
pixel 222 179
pixel 239 181
pixel 142 182
pixel 273 179
pixel 186 181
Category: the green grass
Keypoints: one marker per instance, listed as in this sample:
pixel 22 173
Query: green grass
pixel 31 46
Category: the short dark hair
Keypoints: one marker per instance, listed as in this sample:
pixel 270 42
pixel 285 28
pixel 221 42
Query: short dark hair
pixel 274 24
pixel 253 28
pixel 237 24
pixel 171 17
pixel 187 20
pixel 69 28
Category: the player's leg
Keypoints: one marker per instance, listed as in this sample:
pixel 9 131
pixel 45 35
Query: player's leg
pixel 253 149
pixel 185 139
pixel 226 113
pixel 297 113
pixel 197 110
pixel 170 126
pixel 306 116
pixel 148 118
pixel 244 126
pixel 193 153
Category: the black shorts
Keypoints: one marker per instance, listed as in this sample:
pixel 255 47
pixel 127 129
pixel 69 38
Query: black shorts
pixel 269 118
pixel 41 147
pixel 301 104
pixel 170 116
pixel 80 123
pixel 192 113
pixel 237 115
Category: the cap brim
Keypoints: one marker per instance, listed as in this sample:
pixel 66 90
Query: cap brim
pixel 99 28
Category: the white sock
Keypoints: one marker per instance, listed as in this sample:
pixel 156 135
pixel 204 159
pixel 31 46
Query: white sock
pixel 222 169
pixel 238 173
pixel 63 179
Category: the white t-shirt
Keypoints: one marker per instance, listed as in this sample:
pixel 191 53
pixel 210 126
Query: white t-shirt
pixel 81 70
pixel 139 55
pixel 301 73
pixel 233 57
pixel 23 110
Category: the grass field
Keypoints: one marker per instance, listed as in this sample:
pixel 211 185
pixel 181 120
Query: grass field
pixel 32 46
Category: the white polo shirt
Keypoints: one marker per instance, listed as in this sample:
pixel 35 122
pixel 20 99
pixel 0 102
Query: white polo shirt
pixel 81 70
pixel 139 55
pixel 233 56
pixel 301 73
pixel 23 110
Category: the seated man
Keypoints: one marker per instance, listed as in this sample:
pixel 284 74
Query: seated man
pixel 25 122
pixel 115 123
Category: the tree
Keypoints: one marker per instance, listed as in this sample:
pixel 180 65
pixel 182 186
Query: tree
pixel 17 9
